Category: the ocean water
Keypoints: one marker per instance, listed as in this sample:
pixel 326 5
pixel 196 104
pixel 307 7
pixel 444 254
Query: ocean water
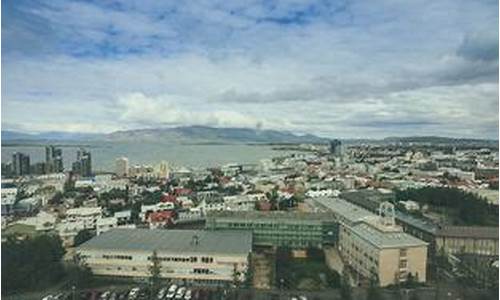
pixel 104 154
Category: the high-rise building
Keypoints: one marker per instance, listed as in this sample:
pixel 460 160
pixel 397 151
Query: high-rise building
pixel 20 164
pixel 336 147
pixel 121 167
pixel 83 163
pixel 163 170
pixel 53 159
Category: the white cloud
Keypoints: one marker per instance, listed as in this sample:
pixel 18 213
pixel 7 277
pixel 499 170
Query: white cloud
pixel 352 69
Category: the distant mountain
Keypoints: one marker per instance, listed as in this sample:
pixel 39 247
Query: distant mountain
pixel 203 134
pixel 8 135
pixel 190 135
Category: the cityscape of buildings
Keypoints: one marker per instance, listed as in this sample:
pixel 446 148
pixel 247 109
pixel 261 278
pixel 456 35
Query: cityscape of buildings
pixel 213 226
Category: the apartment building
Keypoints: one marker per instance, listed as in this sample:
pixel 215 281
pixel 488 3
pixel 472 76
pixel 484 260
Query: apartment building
pixel 87 216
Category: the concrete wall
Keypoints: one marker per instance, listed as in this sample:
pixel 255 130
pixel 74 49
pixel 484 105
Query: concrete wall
pixel 221 268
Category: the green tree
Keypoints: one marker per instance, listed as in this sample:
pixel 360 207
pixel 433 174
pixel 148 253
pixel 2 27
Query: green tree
pixel 155 273
pixel 83 236
pixel 31 263
pixel 373 292
pixel 345 286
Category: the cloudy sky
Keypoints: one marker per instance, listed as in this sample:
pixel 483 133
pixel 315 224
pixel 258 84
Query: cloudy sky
pixel 333 68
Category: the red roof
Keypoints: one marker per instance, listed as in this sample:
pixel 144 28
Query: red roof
pixel 182 191
pixel 168 198
pixel 162 216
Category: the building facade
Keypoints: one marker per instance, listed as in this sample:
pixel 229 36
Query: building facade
pixel 278 229
pixel 190 255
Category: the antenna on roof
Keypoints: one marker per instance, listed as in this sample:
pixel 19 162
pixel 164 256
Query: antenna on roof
pixel 387 213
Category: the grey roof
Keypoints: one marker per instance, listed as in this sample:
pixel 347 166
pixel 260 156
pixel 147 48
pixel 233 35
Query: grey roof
pixel 419 223
pixel 345 209
pixel 172 241
pixel 270 215
pixel 476 232
pixel 382 239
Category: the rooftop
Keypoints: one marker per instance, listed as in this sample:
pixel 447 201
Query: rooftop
pixel 270 215
pixel 178 241
pixel 469 232
pixel 387 239
pixel 347 210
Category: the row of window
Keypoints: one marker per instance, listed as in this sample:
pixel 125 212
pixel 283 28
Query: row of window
pixel 192 259
pixel 125 257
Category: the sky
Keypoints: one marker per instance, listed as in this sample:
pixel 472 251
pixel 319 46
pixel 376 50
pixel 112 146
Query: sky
pixel 347 69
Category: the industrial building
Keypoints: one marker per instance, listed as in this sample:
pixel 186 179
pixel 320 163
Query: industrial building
pixel 191 255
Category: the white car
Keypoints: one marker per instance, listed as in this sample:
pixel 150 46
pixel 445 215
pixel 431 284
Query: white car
pixel 171 291
pixel 49 297
pixel 302 298
pixel 134 293
pixel 180 293
pixel 187 296
pixel 162 293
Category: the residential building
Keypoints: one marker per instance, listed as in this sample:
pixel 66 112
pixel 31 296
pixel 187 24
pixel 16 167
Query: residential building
pixel 20 164
pixel 83 164
pixel 53 159
pixel 190 255
pixel 121 168
pixel 105 224
pixel 87 216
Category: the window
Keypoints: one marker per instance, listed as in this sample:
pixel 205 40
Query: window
pixel 402 252
pixel 403 264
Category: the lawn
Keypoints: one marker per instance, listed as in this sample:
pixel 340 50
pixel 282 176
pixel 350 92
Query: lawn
pixel 21 229
pixel 309 273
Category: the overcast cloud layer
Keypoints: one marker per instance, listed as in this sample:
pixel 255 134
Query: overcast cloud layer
pixel 332 68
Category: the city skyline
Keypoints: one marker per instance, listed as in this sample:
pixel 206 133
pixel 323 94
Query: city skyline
pixel 344 69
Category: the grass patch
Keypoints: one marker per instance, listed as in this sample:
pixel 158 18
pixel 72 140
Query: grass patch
pixel 309 273
pixel 20 229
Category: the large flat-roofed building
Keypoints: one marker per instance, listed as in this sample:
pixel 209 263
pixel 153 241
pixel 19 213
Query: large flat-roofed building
pixel 373 245
pixel 389 254
pixel 468 240
pixel 191 255
pixel 279 229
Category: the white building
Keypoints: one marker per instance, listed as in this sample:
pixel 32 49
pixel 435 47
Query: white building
pixel 410 205
pixel 123 216
pixel 160 206
pixel 105 224
pixel 191 255
pixel 87 216
pixel 8 200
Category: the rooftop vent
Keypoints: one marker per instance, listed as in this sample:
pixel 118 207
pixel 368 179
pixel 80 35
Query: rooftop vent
pixel 195 240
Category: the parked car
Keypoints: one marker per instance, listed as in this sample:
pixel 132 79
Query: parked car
pixel 105 295
pixel 180 293
pixel 171 291
pixel 48 297
pixel 161 293
pixel 187 295
pixel 134 293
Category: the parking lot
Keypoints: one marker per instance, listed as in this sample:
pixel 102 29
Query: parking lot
pixel 169 291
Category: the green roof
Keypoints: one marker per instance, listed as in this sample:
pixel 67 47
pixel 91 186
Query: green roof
pixel 172 241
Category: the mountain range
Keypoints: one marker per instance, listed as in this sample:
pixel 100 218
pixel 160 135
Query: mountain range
pixel 212 135
pixel 190 134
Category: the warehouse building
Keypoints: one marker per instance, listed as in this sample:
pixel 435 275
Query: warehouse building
pixel 278 228
pixel 190 255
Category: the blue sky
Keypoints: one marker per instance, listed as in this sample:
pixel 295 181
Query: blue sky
pixel 332 68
